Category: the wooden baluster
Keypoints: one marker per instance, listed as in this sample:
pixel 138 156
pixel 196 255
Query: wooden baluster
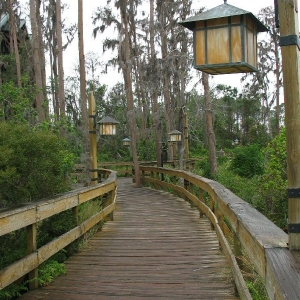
pixel 191 190
pixel 75 212
pixel 212 207
pixel 110 200
pixel 237 250
pixel 201 198
pixel 32 247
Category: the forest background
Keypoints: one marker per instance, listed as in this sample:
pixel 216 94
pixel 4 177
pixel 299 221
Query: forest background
pixel 236 132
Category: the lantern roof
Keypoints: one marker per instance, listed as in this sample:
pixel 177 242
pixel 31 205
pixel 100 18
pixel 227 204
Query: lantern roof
pixel 108 120
pixel 175 132
pixel 221 11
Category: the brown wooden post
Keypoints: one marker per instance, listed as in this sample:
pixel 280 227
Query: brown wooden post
pixel 75 212
pixel 186 136
pixel 237 250
pixel 212 207
pixel 289 41
pixel 112 195
pixel 31 247
pixel 93 140
pixel 201 198
pixel 191 190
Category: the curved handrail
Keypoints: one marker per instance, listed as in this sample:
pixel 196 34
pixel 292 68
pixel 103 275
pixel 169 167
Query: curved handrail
pixel 264 243
pixel 30 214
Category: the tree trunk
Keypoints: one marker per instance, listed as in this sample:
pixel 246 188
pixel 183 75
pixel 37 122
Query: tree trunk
pixel 42 54
pixel 61 89
pixel 124 53
pixel 37 63
pixel 209 126
pixel 14 41
pixel 84 111
pixel 164 54
pixel 153 88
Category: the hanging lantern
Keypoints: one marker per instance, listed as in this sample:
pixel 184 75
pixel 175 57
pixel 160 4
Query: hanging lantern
pixel 175 136
pixel 108 126
pixel 126 142
pixel 225 40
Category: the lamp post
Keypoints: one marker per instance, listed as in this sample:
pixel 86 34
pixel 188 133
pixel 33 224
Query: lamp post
pixel 175 137
pixel 107 126
pixel 289 41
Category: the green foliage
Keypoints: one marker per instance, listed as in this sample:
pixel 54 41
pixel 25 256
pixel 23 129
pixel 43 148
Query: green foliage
pixel 146 150
pixel 13 291
pixel 32 164
pixel 245 188
pixel 16 102
pixel 55 226
pixel 49 270
pixel 15 240
pixel 274 181
pixel 248 161
pixel 257 289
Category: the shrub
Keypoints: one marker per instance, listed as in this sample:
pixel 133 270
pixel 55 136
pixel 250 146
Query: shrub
pixel 33 164
pixel 274 181
pixel 248 161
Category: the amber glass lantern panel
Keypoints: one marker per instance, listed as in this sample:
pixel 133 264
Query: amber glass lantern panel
pixel 175 137
pixel 251 43
pixel 236 44
pixel 218 50
pixel 200 47
pixel 108 129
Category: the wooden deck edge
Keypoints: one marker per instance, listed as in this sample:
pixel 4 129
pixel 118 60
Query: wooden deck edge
pixel 282 263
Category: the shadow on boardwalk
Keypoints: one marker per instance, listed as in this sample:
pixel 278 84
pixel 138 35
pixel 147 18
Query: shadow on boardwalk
pixel 157 247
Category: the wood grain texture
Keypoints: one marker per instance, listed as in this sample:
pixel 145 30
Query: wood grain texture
pixel 157 247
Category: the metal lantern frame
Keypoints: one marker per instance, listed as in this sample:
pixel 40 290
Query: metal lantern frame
pixel 108 126
pixel 225 40
pixel 126 142
pixel 175 136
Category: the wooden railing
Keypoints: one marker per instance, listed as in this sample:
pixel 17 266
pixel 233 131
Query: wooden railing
pixel 126 168
pixel 28 215
pixel 262 241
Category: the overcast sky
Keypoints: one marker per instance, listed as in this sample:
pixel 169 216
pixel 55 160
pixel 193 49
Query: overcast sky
pixel 89 6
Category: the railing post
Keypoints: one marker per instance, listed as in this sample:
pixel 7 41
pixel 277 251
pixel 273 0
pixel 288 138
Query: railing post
pixel 212 208
pixel 133 174
pixel 75 212
pixel 186 184
pixel 190 188
pixel 201 198
pixel 143 177
pixel 110 200
pixel 32 247
pixel 237 250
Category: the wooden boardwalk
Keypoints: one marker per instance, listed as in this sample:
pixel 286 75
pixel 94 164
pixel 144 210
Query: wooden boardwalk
pixel 157 247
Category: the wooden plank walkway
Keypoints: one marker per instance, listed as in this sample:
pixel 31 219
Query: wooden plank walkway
pixel 157 247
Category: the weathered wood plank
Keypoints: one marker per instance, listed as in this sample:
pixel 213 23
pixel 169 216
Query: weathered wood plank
pixel 157 247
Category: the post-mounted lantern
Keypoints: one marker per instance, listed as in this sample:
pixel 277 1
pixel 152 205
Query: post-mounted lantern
pixel 126 142
pixel 175 136
pixel 225 40
pixel 108 126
